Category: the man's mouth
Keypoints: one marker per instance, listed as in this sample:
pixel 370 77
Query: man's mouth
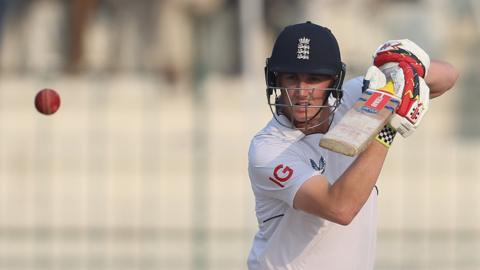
pixel 302 103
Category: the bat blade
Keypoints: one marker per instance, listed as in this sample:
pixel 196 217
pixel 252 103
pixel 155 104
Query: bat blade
pixel 361 123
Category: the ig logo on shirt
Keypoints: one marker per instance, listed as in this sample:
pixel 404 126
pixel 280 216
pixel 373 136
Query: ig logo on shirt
pixel 281 174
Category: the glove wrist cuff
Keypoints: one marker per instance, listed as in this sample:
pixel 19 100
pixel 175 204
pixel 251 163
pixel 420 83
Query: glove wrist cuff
pixel 386 135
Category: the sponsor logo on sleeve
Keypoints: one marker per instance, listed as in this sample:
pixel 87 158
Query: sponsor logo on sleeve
pixel 281 174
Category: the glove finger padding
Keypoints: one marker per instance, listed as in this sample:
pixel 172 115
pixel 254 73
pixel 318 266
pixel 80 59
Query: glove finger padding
pixel 407 123
pixel 374 79
pixel 403 50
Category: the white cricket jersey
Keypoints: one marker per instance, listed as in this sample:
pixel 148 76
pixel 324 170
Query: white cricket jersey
pixel 280 161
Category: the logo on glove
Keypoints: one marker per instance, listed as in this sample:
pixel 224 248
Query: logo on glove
pixel 394 45
pixel 415 112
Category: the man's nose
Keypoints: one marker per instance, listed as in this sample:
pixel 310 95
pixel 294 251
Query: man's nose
pixel 304 89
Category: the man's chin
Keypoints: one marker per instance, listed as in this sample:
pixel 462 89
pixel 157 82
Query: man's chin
pixel 309 120
pixel 303 123
pixel 301 118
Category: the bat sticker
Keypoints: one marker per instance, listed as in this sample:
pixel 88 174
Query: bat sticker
pixel 377 101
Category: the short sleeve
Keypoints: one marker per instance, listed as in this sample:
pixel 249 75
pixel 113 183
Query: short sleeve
pixel 278 173
pixel 352 91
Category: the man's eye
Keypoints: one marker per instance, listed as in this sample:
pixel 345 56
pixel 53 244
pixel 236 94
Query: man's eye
pixel 316 79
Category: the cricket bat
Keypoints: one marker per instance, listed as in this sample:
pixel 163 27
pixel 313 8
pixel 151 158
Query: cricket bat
pixel 362 122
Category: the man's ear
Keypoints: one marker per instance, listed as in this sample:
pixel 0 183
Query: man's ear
pixel 276 79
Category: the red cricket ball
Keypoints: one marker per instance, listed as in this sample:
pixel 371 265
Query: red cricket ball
pixel 47 101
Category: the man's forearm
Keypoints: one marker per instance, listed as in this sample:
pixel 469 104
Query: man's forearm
pixel 353 188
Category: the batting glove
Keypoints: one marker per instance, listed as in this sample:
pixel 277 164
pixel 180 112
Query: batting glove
pixel 406 64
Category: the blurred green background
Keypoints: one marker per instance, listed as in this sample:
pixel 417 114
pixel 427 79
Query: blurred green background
pixel 144 165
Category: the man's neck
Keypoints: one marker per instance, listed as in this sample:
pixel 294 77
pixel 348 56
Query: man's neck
pixel 320 124
pixel 322 129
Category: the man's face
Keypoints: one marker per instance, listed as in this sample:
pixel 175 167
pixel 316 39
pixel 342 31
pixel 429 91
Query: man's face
pixel 306 92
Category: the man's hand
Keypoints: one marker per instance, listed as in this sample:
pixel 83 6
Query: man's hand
pixel 406 64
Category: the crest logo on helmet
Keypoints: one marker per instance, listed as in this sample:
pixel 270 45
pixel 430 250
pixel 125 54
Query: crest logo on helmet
pixel 303 50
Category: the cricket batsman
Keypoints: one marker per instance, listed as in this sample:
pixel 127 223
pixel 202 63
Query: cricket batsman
pixel 317 209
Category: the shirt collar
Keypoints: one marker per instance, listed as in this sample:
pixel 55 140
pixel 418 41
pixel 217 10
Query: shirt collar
pixel 290 133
